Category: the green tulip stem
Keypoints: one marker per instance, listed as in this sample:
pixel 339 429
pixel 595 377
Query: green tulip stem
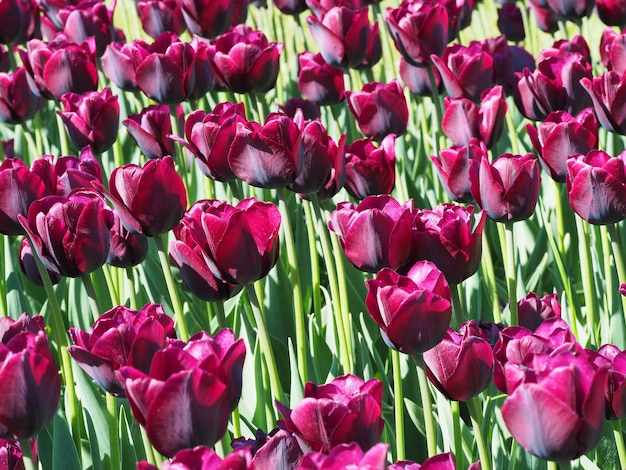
pixel 427 406
pixel 586 269
pixel 315 263
pixel 115 289
pixel 151 455
pixel 616 247
pixel 438 114
pixel 512 133
pixel 5 250
pixel 27 455
pixel 456 304
pixel 114 438
pixel 560 220
pixel 236 423
pixel 160 241
pixel 130 287
pixel 343 294
pixel 619 441
pixel 398 401
pixel 510 269
pixel 490 276
pixel 456 431
pixel 65 146
pixel 264 342
pixel 327 252
pixel 476 415
pixel 298 302
pixel 91 295
pixel 221 314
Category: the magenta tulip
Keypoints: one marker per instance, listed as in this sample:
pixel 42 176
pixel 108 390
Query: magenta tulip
pixel 510 22
pixel 310 111
pixel 127 249
pixel 20 21
pixel 443 461
pixel 150 130
pixel 608 94
pixel 572 10
pixel 202 457
pixel 208 18
pixel 29 265
pixel 615 392
pixel 417 79
pixel 319 82
pixel 120 61
pixel 159 16
pixel 88 20
pixel 370 169
pixel 534 310
pixel 345 456
pixel 612 12
pixel 279 449
pixel 412 311
pixel 70 172
pixel 18 103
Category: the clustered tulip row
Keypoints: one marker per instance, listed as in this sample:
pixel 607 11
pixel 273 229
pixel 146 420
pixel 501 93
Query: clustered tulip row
pixel 227 191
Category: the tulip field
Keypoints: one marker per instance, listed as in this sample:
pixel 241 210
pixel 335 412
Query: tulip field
pixel 312 234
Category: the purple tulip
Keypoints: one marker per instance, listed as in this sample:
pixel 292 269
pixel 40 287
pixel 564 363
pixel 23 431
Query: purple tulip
pixel 443 461
pixel 560 136
pixel 546 19
pixel 88 19
pixel 320 7
pixel 291 7
pixel 121 337
pixel 319 82
pixel 374 234
pixel 596 186
pixel 120 61
pixel 417 79
pixel 379 109
pixel 572 10
pixel 534 310
pixel 444 236
pixel 612 12
pixel 159 16
pixel 461 365
pixel 127 249
pixel 69 234
pixel 412 311
pixel 20 21
pixel 29 265
pixel 508 188
pixel 202 457
pixel 149 200
pixel 348 409
pixel 70 172
pixel 91 119
pixel 11 455
pixel 279 449
pixel 345 456
pixel 608 95
pixel 370 169
pixel 508 61
pixel 30 385
pixel 208 18
pixel 150 129
pixel 510 22
pixel 246 61
pixel 18 103
pixel 310 111
pixel 615 392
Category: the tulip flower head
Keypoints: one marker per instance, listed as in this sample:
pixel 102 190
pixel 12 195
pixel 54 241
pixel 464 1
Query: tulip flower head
pixel 279 449
pixel 159 16
pixel 345 456
pixel 18 103
pixel 615 392
pixel 150 130
pixel 370 168
pixel 200 457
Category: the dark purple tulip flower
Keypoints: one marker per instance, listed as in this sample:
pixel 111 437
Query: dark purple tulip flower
pixel 572 10
pixel 189 253
pixel 59 67
pixel 563 387
pixel 149 200
pixel 612 12
pixel 29 265
pixel 560 136
pixel 18 103
pixel 463 119
pixel 159 16
pixel 370 169
pixel 546 19
pixel 534 310
pixel 150 129
pixel 417 79
pixel 120 61
pixel 342 36
pixel 608 94
pixel 461 365
pixel 240 241
pixel 30 385
pixel 443 461
pixel 319 82
pixel 444 236
pixel 344 456
pixel 320 7
pixel 508 61
pixel 379 109
pixel 510 22
pixel 208 18
pixel 291 7
pixel 127 249
pixel 268 155
pixel 121 337
pixel 20 186
pixel 69 234
pixel 453 166
pixel 201 457
pixel 209 137
pixel 508 188
pixel 466 71
pixel 91 119
pixel 373 49
pixel 596 186
pixel 612 50
pixel 310 110
pixel 11 455
pixel 348 409
pixel 88 19
pixel 246 61
pixel 70 172
pixel 374 234
pixel 188 382
pixel 615 392
pixel 412 311
pixel 279 449
pixel 20 21
pixel 419 30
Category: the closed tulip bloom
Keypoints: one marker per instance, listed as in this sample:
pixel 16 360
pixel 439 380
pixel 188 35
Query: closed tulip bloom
pixel 417 79
pixel 208 18
pixel 30 384
pixel 534 310
pixel 127 249
pixel 596 186
pixel 18 103
pixel 120 61
pixel 29 265
pixel 560 136
pixel 412 311
pixel 612 50
pixel 612 12
pixel 348 409
pixel 319 82
pixel 159 16
pixel 510 22
pixel 444 236
pixel 546 19
pixel 268 155
pixel 443 461
pixel 379 109
pixel 88 19
pixel 69 172
pixel 291 7
pixel 419 30
pixel 203 457
pixel 370 169
pixel 11 455
pixel 310 110
pixel 615 392
pixel 320 7
pixel 608 95
pixel 342 36
pixel 60 67
pixel 246 61
pixel 20 21
pixel 150 129
pixel 508 188
pixel 563 387
pixel 121 337
pixel 69 234
pixel 461 365
pixel 572 10
pixel 453 166
pixel 91 119
pixel 279 449
pixel 374 234
pixel 149 200
pixel 345 456
pixel 373 49
pixel 186 382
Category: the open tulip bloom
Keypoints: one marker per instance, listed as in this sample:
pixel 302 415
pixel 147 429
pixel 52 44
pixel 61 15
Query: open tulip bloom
pixel 322 239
